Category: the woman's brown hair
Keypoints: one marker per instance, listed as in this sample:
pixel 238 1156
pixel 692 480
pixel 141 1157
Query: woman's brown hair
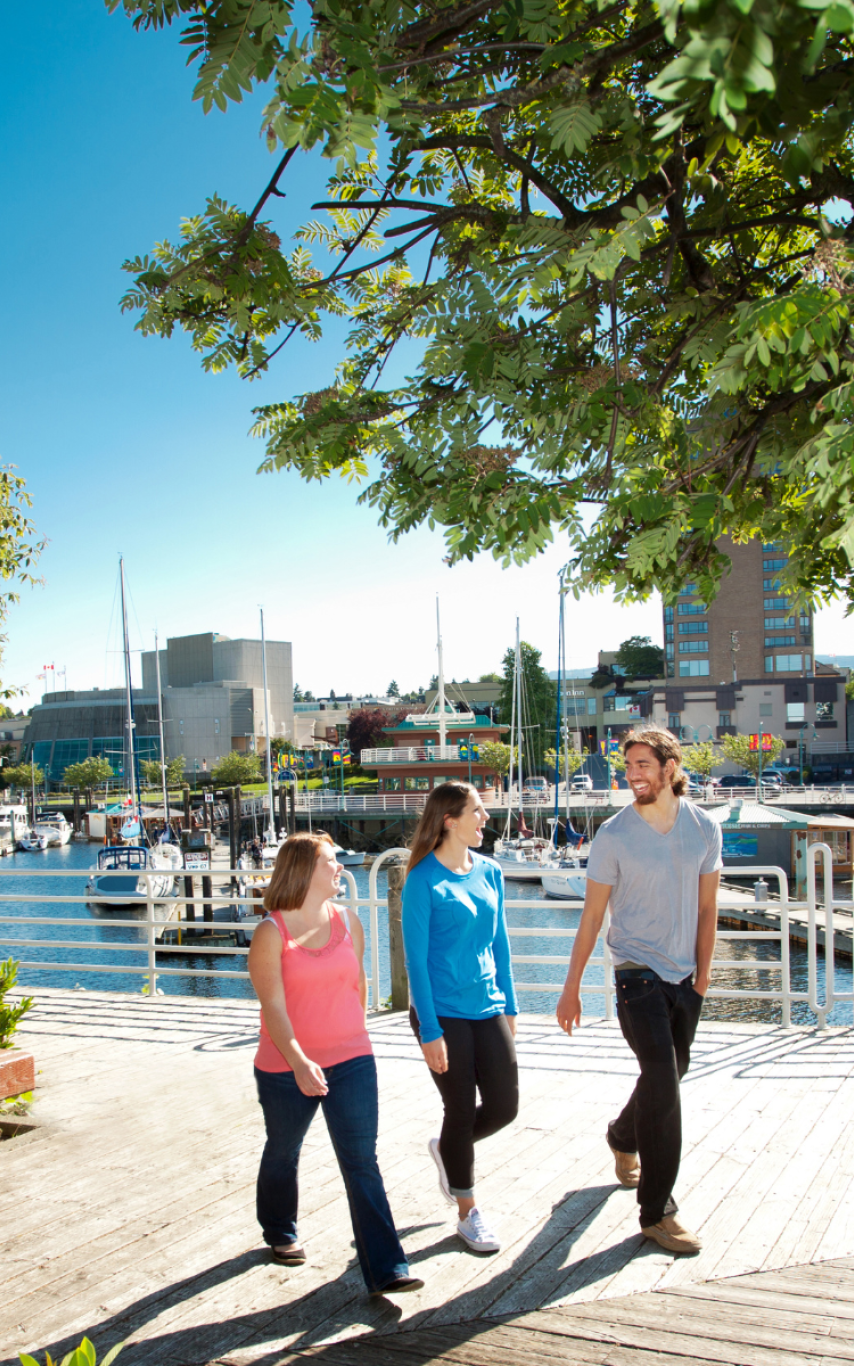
pixel 664 746
pixel 293 871
pixel 448 800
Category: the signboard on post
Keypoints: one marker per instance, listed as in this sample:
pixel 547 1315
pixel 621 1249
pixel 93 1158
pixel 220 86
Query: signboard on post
pixel 199 861
pixel 209 796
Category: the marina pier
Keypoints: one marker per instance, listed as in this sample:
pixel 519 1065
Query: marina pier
pixel 129 1210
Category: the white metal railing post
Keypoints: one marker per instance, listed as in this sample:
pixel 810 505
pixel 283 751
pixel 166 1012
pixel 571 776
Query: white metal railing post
pixel 375 919
pixel 149 920
pixel 785 965
pixel 814 853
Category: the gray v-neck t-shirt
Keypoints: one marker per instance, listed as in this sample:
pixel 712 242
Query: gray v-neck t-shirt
pixel 655 886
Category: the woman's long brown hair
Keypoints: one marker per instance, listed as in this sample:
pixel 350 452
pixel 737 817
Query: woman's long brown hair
pixel 448 800
pixel 293 871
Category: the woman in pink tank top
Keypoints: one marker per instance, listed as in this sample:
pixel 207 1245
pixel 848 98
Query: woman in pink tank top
pixel 314 1051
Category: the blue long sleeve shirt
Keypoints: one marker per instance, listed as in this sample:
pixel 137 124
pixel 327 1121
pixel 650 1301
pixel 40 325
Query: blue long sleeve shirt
pixel 456 943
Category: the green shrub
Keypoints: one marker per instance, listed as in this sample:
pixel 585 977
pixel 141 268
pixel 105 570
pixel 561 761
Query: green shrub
pixel 10 1015
pixel 84 1355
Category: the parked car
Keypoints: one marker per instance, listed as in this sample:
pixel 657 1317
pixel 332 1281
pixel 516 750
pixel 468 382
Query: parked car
pixel 536 787
pixel 730 780
pixel 582 782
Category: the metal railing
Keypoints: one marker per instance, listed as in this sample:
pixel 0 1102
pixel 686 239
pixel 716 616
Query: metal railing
pixel 818 908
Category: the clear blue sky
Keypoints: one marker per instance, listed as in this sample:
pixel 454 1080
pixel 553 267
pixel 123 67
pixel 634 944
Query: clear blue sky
pixel 128 447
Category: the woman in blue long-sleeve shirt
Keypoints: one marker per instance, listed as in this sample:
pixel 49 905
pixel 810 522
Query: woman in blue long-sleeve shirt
pixel 464 1002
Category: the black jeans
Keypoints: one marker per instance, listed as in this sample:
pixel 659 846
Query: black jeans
pixel 481 1057
pixel 659 1020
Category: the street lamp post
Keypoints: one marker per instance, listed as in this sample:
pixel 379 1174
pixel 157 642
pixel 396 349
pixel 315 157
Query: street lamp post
pixel 470 743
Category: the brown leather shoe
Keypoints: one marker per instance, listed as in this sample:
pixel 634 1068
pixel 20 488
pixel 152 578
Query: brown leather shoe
pixel 673 1236
pixel 627 1167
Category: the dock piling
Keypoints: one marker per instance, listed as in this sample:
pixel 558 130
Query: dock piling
pixel 399 979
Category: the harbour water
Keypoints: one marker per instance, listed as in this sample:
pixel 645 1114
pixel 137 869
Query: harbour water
pixel 86 943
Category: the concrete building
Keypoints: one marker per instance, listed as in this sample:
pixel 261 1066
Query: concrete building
pixel 213 695
pixel 213 702
pixel 807 712
pixel 67 727
pixel 750 630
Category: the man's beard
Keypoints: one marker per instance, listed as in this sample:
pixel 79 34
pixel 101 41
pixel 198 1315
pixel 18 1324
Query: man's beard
pixel 651 795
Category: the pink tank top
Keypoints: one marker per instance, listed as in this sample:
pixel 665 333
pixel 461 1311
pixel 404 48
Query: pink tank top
pixel 322 996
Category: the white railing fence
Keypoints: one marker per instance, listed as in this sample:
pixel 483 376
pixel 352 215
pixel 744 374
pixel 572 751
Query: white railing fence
pixel 154 920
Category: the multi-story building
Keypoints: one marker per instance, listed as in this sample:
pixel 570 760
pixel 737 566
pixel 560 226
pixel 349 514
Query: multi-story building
pixel 213 702
pixel 751 630
pixel 416 761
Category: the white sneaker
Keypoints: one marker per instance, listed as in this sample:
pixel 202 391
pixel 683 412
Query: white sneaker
pixel 433 1150
pixel 475 1231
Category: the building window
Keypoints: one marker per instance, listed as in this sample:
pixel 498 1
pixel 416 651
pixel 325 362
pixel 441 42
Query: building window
pixel 775 548
pixel 693 628
pixel 391 785
pixel 693 647
pixel 780 640
pixel 687 590
pixel 674 722
pixel 592 706
pixel 669 651
pixel 787 664
pixel 766 709
pixel 669 668
pixel 693 668
pixel 180 727
pixel 668 614
pixel 690 609
pixel 774 564
pixel 778 623
pixel 776 604
pixel 216 726
pixel 795 711
pixel 770 585
pixel 668 631
pixel 824 711
pixel 724 718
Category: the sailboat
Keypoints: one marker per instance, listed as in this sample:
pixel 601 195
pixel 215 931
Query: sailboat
pixel 32 841
pixel 127 874
pixel 568 881
pixel 523 856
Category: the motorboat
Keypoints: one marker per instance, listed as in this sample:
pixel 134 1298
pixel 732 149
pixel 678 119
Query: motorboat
pixel 126 875
pixel 348 858
pixel 524 860
pixel 55 827
pixel 566 883
pixel 7 815
pixel 32 841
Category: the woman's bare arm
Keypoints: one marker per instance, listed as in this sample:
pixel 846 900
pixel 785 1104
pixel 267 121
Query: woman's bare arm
pixel 265 970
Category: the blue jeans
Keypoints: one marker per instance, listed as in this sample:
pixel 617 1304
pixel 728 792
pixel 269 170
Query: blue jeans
pixel 350 1109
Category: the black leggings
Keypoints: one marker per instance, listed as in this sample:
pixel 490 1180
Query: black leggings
pixel 481 1057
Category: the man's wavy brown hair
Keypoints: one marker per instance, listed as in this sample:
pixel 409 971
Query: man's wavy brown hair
pixel 664 746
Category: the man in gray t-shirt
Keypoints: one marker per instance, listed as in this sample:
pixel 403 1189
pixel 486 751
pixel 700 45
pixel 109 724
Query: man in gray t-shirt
pixel 658 863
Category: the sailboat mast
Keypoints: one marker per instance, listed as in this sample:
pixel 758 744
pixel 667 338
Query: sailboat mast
pixel 271 826
pixel 440 700
pixel 134 794
pixel 519 708
pixel 162 742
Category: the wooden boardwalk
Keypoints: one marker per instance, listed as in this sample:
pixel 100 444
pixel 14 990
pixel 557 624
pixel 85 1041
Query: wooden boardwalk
pixel 129 1213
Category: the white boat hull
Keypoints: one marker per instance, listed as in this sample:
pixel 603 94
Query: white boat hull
pixel 32 843
pixel 568 884
pixel 518 870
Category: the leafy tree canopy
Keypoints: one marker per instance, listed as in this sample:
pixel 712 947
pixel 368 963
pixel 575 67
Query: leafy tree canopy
pixel 639 658
pixel 619 234
pixel 737 748
pixel 497 755
pixel 365 728
pixel 22 775
pixel 489 678
pixel 174 771
pixel 236 768
pixel 700 758
pixel 93 772
pixel 392 690
pixel 539 703
pixel 566 760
